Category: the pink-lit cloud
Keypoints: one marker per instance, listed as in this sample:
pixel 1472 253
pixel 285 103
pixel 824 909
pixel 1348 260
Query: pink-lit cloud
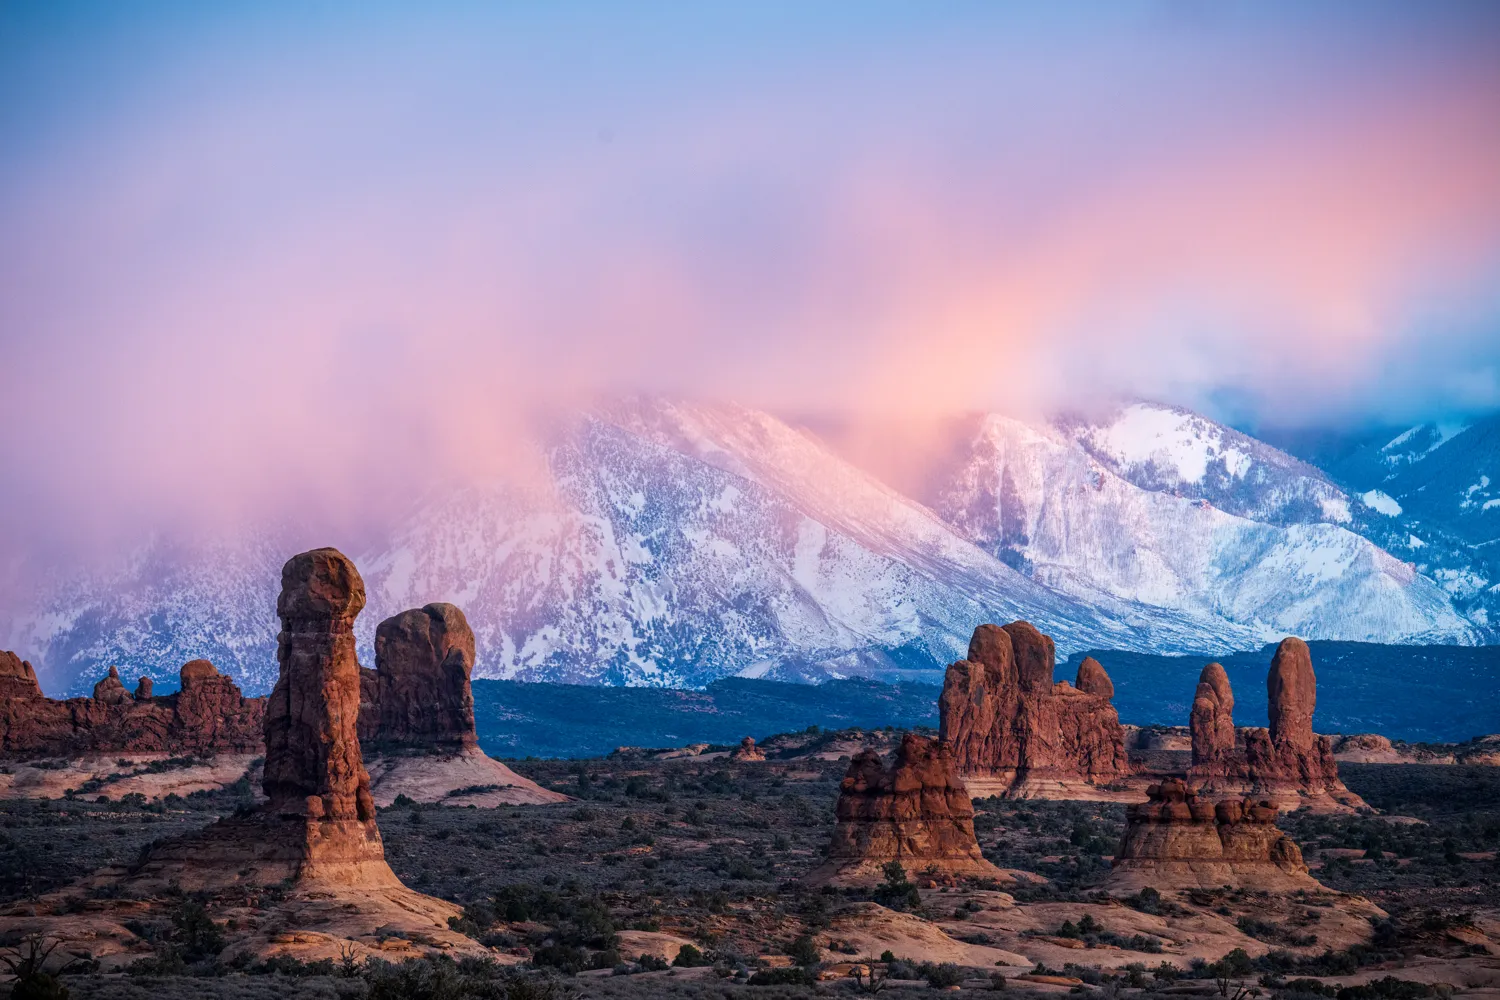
pixel 276 259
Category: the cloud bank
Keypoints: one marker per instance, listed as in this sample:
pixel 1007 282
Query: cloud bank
pixel 272 258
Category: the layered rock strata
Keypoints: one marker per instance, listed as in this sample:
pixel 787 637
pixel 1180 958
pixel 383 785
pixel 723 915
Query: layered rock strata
pixel 917 811
pixel 1287 763
pixel 1013 731
pixel 315 838
pixel 416 717
pixel 1176 840
pixel 207 715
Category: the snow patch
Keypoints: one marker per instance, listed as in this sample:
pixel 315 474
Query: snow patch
pixel 1381 503
pixel 1336 509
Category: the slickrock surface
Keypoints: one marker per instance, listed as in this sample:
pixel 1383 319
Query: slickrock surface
pixel 1015 732
pixel 1176 840
pixel 917 812
pixel 416 717
pixel 208 715
pixel 315 838
pixel 1288 763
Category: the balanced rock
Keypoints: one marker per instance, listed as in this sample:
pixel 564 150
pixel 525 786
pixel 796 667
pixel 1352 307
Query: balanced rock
pixel 419 694
pixel 1013 731
pixel 916 812
pixel 110 691
pixel 1175 840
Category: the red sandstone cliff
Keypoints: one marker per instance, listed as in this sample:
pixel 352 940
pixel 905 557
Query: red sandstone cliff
pixel 208 715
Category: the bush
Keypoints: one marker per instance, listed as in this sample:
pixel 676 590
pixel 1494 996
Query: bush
pixel 805 951
pixel 897 892
pixel 942 976
pixel 792 976
pixel 1388 988
pixel 689 957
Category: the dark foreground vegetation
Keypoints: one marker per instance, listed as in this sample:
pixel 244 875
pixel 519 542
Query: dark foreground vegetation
pixel 712 851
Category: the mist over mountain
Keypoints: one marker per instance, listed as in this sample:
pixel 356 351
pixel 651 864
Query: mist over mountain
pixel 674 543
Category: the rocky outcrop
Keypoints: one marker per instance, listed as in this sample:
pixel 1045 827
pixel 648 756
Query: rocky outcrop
pixel 1175 840
pixel 1013 731
pixel 1287 763
pixel 418 696
pixel 416 717
pixel 315 838
pixel 207 715
pixel 1212 718
pixel 748 751
pixel 917 812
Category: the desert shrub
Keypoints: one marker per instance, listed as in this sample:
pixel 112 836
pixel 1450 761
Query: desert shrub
pixel 792 976
pixel 195 932
pixel 689 957
pixel 897 892
pixel 942 976
pixel 1387 988
pixel 805 952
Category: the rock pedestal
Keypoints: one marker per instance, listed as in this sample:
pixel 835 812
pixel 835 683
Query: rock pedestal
pixel 1212 719
pixel 1013 731
pixel 917 812
pixel 748 751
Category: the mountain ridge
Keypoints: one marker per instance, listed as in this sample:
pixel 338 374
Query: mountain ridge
pixel 678 542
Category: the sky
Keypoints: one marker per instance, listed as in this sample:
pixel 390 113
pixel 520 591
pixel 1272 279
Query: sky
pixel 272 255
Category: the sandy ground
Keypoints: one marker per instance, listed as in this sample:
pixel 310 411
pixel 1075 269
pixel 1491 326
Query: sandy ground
pixel 468 778
pixel 121 775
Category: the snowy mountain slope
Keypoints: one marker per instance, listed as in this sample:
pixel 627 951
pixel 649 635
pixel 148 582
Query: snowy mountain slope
pixel 1040 499
pixel 164 604
pixel 685 543
pixel 675 543
pixel 1432 496
pixel 1169 449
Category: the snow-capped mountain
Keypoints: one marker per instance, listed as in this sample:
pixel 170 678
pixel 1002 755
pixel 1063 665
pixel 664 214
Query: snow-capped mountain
pixel 1048 500
pixel 1430 494
pixel 1167 449
pixel 675 543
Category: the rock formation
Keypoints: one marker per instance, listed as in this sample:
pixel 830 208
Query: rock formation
pixel 1176 840
pixel 419 696
pixel 416 717
pixel 1288 763
pixel 316 835
pixel 207 715
pixel 1212 719
pixel 748 751
pixel 1012 731
pixel 917 812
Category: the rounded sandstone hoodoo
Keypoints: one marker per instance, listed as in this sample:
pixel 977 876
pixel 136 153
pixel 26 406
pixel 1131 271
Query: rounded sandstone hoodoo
pixel 916 812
